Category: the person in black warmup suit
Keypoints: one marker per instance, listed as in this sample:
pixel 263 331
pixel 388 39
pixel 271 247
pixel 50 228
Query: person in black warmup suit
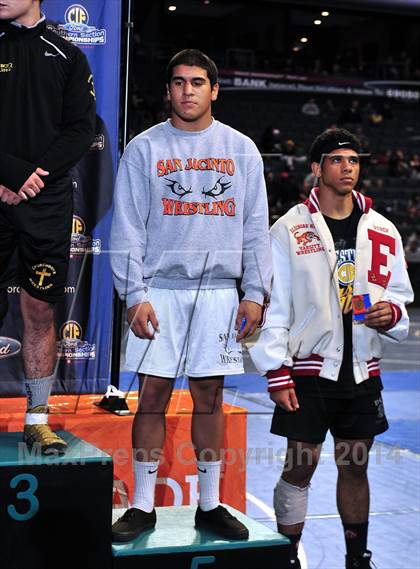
pixel 47 117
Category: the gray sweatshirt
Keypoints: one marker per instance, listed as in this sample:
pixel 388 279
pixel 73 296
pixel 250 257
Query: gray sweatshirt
pixel 190 213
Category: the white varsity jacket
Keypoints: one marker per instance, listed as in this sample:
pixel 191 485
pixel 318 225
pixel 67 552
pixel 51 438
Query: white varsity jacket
pixel 303 329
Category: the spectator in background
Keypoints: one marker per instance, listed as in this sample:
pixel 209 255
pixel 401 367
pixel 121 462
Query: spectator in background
pixel 415 166
pixel 274 190
pixel 290 191
pixel 291 155
pixel 271 149
pixel 391 69
pixel 365 185
pixel 273 187
pixel 309 182
pixel 376 118
pixel 283 191
pixel 364 141
pixel 383 158
pixel 289 147
pixel 310 108
pixel 378 183
pixel 397 164
pixel 413 209
pixel 412 249
pixel 412 256
pixel 271 141
pixel 329 108
pixel 351 115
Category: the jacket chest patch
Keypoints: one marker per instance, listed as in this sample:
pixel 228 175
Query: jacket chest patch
pixel 307 240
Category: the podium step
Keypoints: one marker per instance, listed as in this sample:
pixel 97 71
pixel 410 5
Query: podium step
pixel 54 511
pixel 176 543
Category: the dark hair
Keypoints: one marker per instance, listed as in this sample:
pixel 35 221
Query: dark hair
pixel 193 57
pixel 333 139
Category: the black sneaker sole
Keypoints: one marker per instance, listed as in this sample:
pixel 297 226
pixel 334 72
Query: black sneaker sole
pixel 124 537
pixel 240 536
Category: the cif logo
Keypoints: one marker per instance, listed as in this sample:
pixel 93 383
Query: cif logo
pixel 78 226
pixel 77 15
pixel 71 331
pixel 77 30
pixel 346 273
pixel 9 347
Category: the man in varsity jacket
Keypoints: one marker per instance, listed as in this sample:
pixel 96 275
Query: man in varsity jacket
pixel 320 352
pixel 47 118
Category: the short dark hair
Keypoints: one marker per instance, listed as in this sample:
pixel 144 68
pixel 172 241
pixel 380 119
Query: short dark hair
pixel 333 139
pixel 193 57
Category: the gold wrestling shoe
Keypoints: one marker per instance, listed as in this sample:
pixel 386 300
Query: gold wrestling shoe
pixel 42 438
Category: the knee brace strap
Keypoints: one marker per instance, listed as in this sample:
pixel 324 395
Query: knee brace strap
pixel 290 503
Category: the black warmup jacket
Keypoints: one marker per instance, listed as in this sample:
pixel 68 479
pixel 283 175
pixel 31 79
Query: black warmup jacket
pixel 47 104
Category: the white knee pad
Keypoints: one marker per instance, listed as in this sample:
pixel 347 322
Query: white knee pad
pixel 290 503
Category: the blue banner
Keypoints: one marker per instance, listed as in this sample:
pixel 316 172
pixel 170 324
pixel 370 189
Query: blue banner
pixel 84 320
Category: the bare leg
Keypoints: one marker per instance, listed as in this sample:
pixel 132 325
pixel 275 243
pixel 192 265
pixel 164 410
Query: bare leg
pixel 207 421
pixel 39 348
pixel 353 495
pixel 352 485
pixel 149 425
pixel 39 354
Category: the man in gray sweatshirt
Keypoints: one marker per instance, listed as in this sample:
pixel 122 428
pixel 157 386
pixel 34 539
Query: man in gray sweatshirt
pixel 190 220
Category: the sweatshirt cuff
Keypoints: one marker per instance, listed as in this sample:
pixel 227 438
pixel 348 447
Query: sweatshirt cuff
pixel 279 379
pixel 254 295
pixel 137 297
pixel 396 315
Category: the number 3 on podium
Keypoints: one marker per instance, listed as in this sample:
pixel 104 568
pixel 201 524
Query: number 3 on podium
pixel 27 494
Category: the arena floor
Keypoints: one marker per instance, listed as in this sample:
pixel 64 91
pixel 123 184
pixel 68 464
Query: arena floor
pixel 394 472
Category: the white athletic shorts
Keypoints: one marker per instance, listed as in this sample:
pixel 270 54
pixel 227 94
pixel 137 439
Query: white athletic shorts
pixel 196 338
